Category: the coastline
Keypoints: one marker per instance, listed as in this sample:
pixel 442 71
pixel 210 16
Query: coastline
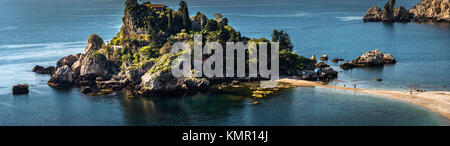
pixel 437 101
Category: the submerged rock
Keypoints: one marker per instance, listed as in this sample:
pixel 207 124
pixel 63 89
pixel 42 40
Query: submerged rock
pixel 42 70
pixel 347 65
pixel 20 89
pixel 335 60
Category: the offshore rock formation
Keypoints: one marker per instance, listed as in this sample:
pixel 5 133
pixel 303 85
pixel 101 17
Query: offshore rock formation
pixel 20 89
pixel 431 10
pixel 369 59
pixel 425 11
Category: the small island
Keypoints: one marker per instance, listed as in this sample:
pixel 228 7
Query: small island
pixel 424 11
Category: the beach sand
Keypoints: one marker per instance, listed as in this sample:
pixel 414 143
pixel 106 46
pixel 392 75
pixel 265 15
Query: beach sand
pixel 437 101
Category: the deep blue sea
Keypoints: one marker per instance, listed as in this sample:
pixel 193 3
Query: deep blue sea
pixel 42 31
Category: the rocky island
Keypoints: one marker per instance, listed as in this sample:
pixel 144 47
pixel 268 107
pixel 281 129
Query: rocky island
pixel 424 11
pixel 138 57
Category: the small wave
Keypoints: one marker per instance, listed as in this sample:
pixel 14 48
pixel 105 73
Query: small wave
pixel 7 28
pixel 46 45
pixel 6 104
pixel 350 18
pixel 300 14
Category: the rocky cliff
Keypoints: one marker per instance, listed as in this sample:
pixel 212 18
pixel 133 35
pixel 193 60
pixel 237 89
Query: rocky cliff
pixel 425 11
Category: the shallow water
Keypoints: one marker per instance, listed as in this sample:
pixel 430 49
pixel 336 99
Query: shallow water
pixel 41 31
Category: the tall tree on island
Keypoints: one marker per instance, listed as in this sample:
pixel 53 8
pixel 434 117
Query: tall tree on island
pixel 284 39
pixel 185 14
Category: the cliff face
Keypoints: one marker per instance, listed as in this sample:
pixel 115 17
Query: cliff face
pixel 431 10
pixel 425 11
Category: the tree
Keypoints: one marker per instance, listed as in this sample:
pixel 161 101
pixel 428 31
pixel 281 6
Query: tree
pixel 284 40
pixel 185 15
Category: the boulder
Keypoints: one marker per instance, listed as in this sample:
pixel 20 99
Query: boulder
pixel 401 15
pixel 347 65
pixel 324 57
pixel 373 14
pixel 370 58
pixel 309 75
pixel 86 89
pixel 94 43
pixel 63 77
pixel 335 60
pixel 96 65
pixel 321 65
pixel 159 78
pixel 42 70
pixel 68 60
pixel 327 73
pixel 20 89
pixel 388 59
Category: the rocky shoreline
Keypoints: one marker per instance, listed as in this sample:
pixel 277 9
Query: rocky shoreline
pixel 424 11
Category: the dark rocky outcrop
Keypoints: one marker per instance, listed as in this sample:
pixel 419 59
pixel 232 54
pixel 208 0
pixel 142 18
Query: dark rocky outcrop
pixel 20 89
pixel 324 57
pixel 336 60
pixel 42 70
pixel 321 65
pixel 369 59
pixel 425 11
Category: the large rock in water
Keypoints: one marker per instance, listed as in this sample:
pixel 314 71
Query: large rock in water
pixel 373 14
pixel 431 10
pixel 20 89
pixel 42 70
pixel 63 77
pixel 388 14
pixel 425 11
pixel 370 58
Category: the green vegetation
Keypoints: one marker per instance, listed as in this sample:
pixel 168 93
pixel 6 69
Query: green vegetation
pixel 163 27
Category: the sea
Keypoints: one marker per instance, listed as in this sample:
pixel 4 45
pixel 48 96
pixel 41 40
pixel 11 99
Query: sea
pixel 39 32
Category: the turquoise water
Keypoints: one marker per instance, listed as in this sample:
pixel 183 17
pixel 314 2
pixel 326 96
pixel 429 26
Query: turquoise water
pixel 41 31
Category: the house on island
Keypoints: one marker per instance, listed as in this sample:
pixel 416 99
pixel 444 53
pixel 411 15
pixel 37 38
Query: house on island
pixel 157 7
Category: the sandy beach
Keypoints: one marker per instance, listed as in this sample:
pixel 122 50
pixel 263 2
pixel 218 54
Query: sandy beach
pixel 437 101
